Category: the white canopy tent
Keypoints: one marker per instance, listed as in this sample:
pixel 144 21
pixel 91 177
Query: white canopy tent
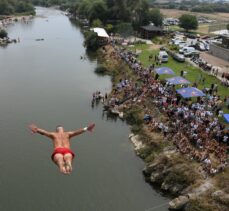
pixel 101 32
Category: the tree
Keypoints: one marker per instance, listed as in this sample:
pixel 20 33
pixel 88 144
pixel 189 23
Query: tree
pixel 84 7
pixel 97 23
pixel 98 10
pixel 141 14
pixel 91 41
pixel 125 29
pixel 188 22
pixel 228 26
pixel 156 17
pixel 3 34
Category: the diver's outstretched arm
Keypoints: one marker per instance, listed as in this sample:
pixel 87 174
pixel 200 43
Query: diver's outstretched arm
pixel 36 129
pixel 80 131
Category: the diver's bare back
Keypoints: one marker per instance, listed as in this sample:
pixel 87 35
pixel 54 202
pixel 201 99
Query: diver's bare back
pixel 61 140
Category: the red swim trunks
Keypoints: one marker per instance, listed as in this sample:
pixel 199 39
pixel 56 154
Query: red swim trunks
pixel 63 151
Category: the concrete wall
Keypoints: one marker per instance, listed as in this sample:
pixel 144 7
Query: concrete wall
pixel 220 52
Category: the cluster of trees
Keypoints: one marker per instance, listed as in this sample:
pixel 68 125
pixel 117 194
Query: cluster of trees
pixel 8 7
pixel 188 22
pixel 211 7
pixel 61 3
pixel 136 12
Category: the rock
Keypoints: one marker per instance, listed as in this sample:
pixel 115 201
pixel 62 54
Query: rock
pixel 176 189
pixel 165 186
pixel 178 203
pixel 155 177
pixel 121 115
pixel 149 169
pixel 136 142
pixel 221 196
pixel 218 193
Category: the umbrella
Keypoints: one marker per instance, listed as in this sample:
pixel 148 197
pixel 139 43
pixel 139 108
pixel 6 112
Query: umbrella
pixel 190 92
pixel 226 117
pixel 177 80
pixel 164 70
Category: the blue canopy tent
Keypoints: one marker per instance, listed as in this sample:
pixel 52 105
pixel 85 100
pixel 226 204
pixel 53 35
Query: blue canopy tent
pixel 190 92
pixel 226 117
pixel 177 80
pixel 164 70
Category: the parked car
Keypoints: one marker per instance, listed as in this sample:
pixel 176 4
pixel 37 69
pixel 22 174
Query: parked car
pixel 200 46
pixel 182 44
pixel 186 49
pixel 191 53
pixel 178 57
pixel 163 56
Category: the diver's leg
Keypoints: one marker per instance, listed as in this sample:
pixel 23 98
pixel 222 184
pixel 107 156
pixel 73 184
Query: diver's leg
pixel 59 161
pixel 68 162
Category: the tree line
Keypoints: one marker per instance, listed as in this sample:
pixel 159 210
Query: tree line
pixel 9 7
pixel 135 12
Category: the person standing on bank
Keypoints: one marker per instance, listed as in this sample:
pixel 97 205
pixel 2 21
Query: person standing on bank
pixel 62 155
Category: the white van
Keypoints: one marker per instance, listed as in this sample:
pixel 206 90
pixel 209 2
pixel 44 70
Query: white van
pixel 163 56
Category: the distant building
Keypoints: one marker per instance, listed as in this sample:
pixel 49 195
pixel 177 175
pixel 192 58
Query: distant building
pixel 150 31
pixel 225 41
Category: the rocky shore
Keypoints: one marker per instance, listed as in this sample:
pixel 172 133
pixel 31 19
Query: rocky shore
pixel 175 174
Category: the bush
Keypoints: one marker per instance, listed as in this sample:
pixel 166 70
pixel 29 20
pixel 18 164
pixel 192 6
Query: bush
pixel 101 70
pixel 174 48
pixel 97 23
pixel 146 152
pixel 133 116
pixel 109 28
pixel 124 29
pixel 91 41
pixel 3 33
pixel 188 22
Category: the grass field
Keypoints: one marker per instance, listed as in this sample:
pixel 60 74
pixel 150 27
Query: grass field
pixel 219 17
pixel 193 73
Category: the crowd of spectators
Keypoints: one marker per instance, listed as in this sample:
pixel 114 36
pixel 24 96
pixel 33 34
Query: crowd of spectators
pixel 193 127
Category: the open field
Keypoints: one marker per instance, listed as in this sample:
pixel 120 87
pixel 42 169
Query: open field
pixel 203 29
pixel 220 17
pixel 193 74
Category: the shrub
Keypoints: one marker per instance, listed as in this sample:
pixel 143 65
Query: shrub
pixel 91 41
pixel 101 70
pixel 97 23
pixel 3 33
pixel 133 116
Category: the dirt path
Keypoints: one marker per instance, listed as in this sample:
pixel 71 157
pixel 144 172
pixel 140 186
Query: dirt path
pixel 215 61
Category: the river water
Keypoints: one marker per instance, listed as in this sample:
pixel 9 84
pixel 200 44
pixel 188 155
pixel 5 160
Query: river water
pixel 46 82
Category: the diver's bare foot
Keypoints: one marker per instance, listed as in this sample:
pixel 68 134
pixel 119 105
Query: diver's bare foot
pixel 63 168
pixel 68 167
pixel 64 171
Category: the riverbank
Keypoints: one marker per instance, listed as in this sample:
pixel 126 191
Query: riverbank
pixel 177 173
pixel 6 21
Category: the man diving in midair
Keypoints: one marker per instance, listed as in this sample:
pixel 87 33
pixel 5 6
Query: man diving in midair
pixel 62 155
